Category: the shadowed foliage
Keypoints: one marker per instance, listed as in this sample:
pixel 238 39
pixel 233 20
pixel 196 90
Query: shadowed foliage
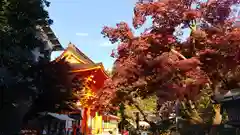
pixel 29 83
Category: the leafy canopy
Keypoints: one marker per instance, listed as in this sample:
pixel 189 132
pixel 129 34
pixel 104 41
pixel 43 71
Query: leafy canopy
pixel 157 62
pixel 19 36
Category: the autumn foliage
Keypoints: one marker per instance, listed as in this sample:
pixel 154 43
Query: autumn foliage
pixel 157 62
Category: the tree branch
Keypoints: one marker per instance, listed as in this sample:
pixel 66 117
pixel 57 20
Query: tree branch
pixel 142 112
pixel 178 54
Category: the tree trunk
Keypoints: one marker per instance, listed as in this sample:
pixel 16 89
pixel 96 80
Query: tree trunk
pixel 152 124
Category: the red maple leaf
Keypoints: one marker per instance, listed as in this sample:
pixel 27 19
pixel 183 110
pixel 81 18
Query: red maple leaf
pixel 146 64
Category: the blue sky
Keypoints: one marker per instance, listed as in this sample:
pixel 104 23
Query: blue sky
pixel 81 22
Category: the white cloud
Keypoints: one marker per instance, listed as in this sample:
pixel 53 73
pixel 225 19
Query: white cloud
pixel 82 34
pixel 107 44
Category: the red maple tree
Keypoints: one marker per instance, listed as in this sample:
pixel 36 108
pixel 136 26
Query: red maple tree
pixel 157 62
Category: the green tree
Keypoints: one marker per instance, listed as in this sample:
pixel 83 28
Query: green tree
pixel 146 107
pixel 29 84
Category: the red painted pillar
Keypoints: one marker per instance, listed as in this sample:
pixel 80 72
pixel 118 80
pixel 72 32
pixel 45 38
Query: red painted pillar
pixel 74 129
pixel 87 117
pixel 84 121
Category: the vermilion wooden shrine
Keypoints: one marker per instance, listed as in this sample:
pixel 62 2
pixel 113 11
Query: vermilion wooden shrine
pixel 82 65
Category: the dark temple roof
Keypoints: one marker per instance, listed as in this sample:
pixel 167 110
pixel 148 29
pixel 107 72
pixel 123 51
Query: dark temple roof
pixel 52 37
